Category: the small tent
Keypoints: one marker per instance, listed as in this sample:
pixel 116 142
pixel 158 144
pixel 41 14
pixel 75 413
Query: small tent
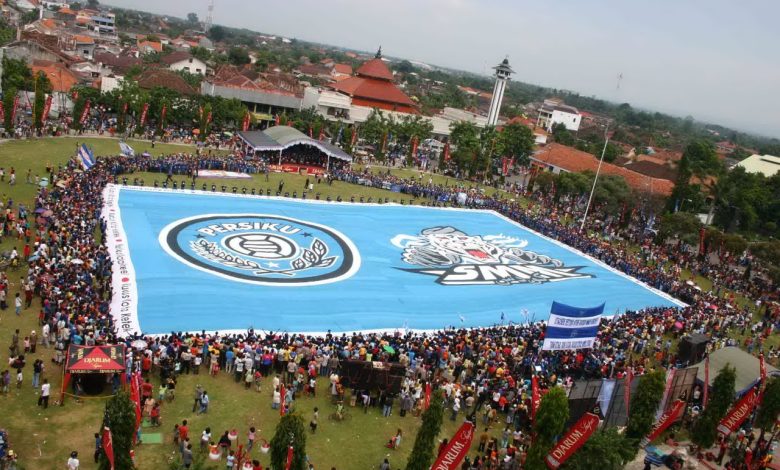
pixel 746 364
pixel 106 359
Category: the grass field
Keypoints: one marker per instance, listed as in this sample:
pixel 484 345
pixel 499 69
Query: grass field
pixel 45 438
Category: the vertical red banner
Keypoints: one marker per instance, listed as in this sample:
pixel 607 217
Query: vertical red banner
pixel 739 412
pixel 414 147
pixel 573 440
pixel 163 112
pixel 427 395
pixel 108 446
pixel 144 112
pixel 447 152
pixel 627 394
pixel 85 113
pixel 46 109
pixel 706 391
pixel 245 124
pixel 452 455
pixel 701 241
pixel 354 137
pixel 2 112
pixel 13 111
pixel 670 416
pixel 536 397
pixel 289 458
pixel 762 369
pixel 282 393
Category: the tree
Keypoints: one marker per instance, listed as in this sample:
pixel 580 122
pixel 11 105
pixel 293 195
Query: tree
pixel 562 135
pixel 704 430
pixel 192 19
pixel 700 161
pixel 17 75
pixel 769 409
pixel 39 102
pixel 517 141
pixel 644 403
pixel 9 96
pixel 682 225
pixel 238 56
pixel 464 137
pixel 289 427
pixel 421 457
pixel 120 412
pixel 217 33
pixel 30 17
pixel 204 121
pixel 607 449
pixel 551 418
pixel 93 4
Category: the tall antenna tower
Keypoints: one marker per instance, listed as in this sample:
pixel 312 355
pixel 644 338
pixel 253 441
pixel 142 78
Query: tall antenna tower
pixel 209 16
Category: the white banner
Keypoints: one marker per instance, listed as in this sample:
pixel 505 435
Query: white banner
pixel 556 344
pixel 571 322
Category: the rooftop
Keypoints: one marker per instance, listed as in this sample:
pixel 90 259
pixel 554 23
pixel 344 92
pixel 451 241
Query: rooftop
pixel 769 165
pixel 153 78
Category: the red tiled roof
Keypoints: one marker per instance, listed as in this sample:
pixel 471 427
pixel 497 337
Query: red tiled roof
pixel 573 160
pixel 80 39
pixel 346 69
pixel 164 78
pixel 176 56
pixel 61 78
pixel 313 70
pixel 374 90
pixel 157 46
pixel 375 68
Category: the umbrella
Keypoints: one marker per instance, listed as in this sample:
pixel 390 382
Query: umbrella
pixel 33 258
pixel 48 213
pixel 77 261
pixel 690 283
pixel 138 344
pixel 678 325
pixel 40 210
pixel 389 349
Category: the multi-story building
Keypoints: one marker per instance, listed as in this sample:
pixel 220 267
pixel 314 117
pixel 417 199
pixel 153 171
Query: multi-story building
pixel 553 112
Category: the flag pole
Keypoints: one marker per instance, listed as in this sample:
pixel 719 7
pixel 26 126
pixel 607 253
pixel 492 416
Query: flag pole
pixel 595 180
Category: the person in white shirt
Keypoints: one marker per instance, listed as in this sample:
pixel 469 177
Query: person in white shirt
pixel 45 392
pixel 73 461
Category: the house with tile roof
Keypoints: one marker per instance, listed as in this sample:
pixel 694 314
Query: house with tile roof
pixel 61 77
pixel 559 158
pixel 184 61
pixel 156 77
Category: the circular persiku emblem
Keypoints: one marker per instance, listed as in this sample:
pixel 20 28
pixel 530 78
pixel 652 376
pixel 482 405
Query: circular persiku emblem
pixel 262 249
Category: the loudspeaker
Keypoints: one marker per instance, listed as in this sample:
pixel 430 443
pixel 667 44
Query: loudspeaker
pixel 692 348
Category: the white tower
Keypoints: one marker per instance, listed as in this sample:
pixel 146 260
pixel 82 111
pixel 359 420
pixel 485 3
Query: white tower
pixel 503 70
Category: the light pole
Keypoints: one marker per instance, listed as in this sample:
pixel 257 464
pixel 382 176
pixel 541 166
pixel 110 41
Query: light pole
pixel 595 180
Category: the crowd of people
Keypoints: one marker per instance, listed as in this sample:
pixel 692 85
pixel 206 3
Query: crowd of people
pixel 487 370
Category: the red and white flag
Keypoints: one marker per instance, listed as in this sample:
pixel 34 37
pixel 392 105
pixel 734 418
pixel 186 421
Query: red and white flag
pixel 627 394
pixel 670 416
pixel 46 109
pixel 85 113
pixel 427 395
pixel 447 152
pixel 414 147
pixel 504 166
pixel 456 449
pixel 739 412
pixel 108 446
pixel 289 458
pixel 573 440
pixel 282 393
pixel 245 124
pixel 536 397
pixel 144 112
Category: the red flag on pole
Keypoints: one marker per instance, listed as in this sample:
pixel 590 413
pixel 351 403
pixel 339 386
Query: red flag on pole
pixel 414 147
pixel 85 113
pixel 144 111
pixel 427 395
pixel 124 108
pixel 701 241
pixel 311 133
pixel 456 449
pixel 573 440
pixel 289 458
pixel 627 394
pixel 447 152
pixel 535 396
pixel 108 446
pixel 281 403
pixel 670 416
pixel 163 112
pixel 208 118
pixel 706 391
pixel 46 109
pixel 2 112
pixel 504 166
pixel 135 396
pixel 13 111
pixel 245 124
pixel 322 133
pixel 739 412
pixel 762 369
pixel 354 137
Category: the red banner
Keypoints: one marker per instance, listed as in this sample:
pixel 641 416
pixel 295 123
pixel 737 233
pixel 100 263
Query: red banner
pixel 245 124
pixel 447 152
pixel 536 397
pixel 85 113
pixel 427 395
pixel 762 369
pixel 144 112
pixel 277 120
pixel 670 416
pixel 457 448
pixel 311 133
pixel 573 440
pixel 282 393
pixel 322 133
pixel 627 394
pixel 739 412
pixel 2 112
pixel 208 118
pixel 706 391
pixel 135 396
pixel 108 446
pixel 163 112
pixel 124 108
pixel 75 95
pixel 289 458
pixel 701 241
pixel 414 147
pixel 46 109
pixel 504 166
pixel 354 137
pixel 13 111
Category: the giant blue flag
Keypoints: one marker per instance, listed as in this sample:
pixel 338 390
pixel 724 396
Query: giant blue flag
pixel 572 327
pixel 86 157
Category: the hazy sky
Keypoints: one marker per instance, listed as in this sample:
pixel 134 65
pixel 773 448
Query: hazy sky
pixel 716 60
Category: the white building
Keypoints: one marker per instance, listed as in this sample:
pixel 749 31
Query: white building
pixel 554 112
pixel 769 165
pixel 182 60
